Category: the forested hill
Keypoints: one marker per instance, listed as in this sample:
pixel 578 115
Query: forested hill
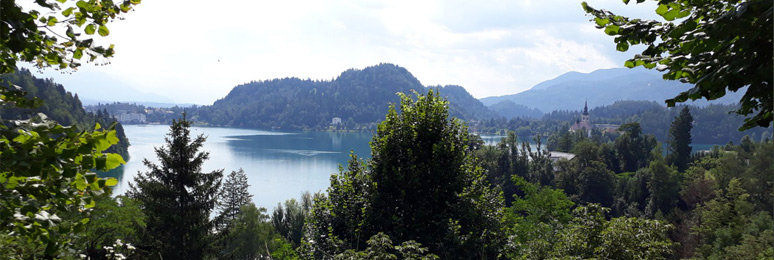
pixel 358 97
pixel 462 104
pixel 59 105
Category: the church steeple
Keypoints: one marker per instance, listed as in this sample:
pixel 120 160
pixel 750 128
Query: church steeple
pixel 585 115
pixel 586 108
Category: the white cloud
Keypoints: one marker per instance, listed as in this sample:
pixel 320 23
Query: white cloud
pixel 196 51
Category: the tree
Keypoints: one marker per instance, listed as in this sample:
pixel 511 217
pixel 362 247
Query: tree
pixel 46 171
pixel 177 197
pixel 112 219
pixel 680 140
pixel 589 235
pixel 633 148
pixel 233 195
pixel 252 236
pixel 50 33
pixel 717 46
pixel 289 220
pixel 427 187
pixel 421 184
pixel 46 168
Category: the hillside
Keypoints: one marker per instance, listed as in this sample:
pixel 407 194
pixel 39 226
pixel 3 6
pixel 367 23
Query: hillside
pixel 509 109
pixel 356 96
pixel 601 87
pixel 59 105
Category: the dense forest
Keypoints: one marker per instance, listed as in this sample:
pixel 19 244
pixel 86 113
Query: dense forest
pixel 432 190
pixel 714 124
pixel 356 96
pixel 60 105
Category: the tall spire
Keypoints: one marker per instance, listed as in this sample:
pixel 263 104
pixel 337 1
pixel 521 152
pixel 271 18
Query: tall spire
pixel 586 108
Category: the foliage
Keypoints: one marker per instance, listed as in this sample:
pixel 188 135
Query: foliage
pixel 50 33
pixel 535 220
pixel 633 148
pixel 58 104
pixel 46 172
pixel 251 235
pixel 589 235
pixel 111 220
pixel 177 197
pixel 380 247
pixel 680 140
pixel 233 195
pixel 427 187
pixel 718 46
pixel 421 184
pixel 289 220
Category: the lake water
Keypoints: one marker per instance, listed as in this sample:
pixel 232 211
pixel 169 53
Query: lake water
pixel 279 165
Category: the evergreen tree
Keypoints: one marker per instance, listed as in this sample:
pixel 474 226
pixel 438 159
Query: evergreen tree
pixel 680 140
pixel 233 195
pixel 177 197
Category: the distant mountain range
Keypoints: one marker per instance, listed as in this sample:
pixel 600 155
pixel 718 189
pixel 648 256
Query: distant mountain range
pixel 601 87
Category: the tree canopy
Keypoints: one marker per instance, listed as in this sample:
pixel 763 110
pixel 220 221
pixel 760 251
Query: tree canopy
pixel 50 34
pixel 718 46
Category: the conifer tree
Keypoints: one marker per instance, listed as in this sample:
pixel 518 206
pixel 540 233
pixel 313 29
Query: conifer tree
pixel 177 197
pixel 680 140
pixel 234 195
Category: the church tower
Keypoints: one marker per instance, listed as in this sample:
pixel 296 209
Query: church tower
pixel 585 115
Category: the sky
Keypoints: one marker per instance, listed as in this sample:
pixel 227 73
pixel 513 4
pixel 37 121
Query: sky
pixel 191 51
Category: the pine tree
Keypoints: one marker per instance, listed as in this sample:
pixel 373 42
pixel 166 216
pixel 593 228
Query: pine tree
pixel 680 140
pixel 177 197
pixel 234 195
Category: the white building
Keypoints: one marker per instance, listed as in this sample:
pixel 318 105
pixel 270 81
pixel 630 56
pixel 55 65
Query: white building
pixel 131 118
pixel 336 121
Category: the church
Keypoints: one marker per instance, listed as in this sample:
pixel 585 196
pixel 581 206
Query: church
pixel 584 124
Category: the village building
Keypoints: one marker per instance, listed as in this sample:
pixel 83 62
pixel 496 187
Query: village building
pixel 584 124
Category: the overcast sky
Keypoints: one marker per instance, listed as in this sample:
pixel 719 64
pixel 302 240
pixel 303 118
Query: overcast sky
pixel 190 51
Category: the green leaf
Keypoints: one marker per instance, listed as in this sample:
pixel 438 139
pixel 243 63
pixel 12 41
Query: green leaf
pixel 111 182
pixel 629 64
pixel 103 30
pixel 90 29
pixel 91 204
pixel 52 21
pixel 68 11
pixel 602 21
pixel 113 160
pixel 622 46
pixel 611 29
pixel 78 54
pixel 662 9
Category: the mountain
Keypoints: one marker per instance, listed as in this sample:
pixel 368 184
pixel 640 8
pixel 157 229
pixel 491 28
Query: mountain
pixel 462 104
pixel 58 104
pixel 602 87
pixel 508 109
pixel 356 96
pixel 101 87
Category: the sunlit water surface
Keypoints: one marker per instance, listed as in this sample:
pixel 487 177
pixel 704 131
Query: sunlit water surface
pixel 279 165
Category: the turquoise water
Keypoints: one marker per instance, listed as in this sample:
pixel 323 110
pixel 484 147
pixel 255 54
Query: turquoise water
pixel 279 165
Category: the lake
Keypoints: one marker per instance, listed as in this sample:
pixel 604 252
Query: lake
pixel 279 165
